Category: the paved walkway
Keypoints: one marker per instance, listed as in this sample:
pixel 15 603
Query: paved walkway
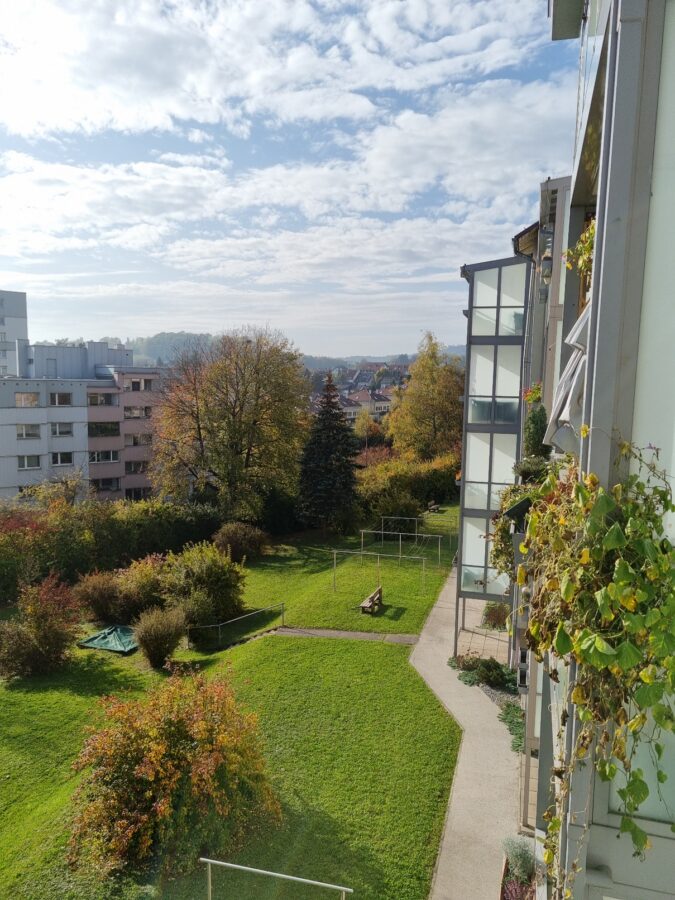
pixel 483 806
pixel 409 639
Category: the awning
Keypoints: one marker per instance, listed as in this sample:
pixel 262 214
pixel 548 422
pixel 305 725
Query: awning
pixel 117 638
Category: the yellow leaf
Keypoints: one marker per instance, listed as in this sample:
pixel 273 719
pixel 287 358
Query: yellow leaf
pixel 521 576
pixel 584 431
pixel 552 584
pixel 585 557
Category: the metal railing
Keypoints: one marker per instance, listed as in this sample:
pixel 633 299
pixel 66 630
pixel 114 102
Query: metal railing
pixel 320 884
pixel 220 625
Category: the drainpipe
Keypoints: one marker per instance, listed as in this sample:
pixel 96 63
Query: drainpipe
pixel 601 206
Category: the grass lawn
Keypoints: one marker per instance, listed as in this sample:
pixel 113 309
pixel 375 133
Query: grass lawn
pixel 299 573
pixel 359 750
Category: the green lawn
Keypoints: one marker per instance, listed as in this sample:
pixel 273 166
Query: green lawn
pixel 299 573
pixel 360 752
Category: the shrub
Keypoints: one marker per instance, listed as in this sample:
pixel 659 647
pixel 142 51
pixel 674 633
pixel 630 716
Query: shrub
pixel 99 593
pixel 495 615
pixel 240 540
pixel 534 431
pixel 520 858
pixel 170 776
pixel 38 641
pixel 515 890
pixel 395 502
pixel 496 675
pixel 140 587
pixel 158 632
pixel 514 718
pixel 424 481
pixel 531 469
pixel 279 513
pixel 205 582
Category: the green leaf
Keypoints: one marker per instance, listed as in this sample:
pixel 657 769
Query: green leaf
pixel 652 617
pixel 603 505
pixel 603 647
pixel 614 539
pixel 638 836
pixel 661 776
pixel 623 573
pixel 628 655
pixel 648 694
pixel 604 603
pixel 567 588
pixel 562 641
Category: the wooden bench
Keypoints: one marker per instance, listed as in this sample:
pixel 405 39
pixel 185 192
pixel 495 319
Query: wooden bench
pixel 373 601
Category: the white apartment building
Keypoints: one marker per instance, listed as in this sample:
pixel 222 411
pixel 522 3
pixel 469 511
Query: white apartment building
pixel 13 328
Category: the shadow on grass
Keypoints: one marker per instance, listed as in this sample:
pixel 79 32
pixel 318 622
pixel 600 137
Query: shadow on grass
pixel 87 675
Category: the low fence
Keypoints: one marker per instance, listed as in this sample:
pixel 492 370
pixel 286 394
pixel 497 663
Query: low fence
pixel 343 891
pixel 212 634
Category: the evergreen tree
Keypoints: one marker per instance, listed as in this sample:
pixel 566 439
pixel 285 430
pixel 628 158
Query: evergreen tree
pixel 327 472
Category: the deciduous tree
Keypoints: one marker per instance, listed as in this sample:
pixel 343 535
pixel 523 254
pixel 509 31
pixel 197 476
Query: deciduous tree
pixel 427 417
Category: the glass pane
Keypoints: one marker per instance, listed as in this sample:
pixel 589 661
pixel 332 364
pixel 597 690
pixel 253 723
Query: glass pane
pixel 473 541
pixel 484 322
pixel 513 285
pixel 495 492
pixel 508 370
pixel 485 288
pixel 503 457
pixel 477 457
pixel 497 584
pixel 482 368
pixel 511 322
pixel 480 410
pixel 472 578
pixel 475 495
pixel 506 411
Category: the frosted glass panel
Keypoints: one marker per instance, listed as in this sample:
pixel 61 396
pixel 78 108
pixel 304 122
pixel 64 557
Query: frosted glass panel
pixel 472 578
pixel 511 322
pixel 503 457
pixel 495 498
pixel 485 288
pixel 475 495
pixel 484 322
pixel 480 410
pixel 513 286
pixel 482 367
pixel 506 411
pixel 497 584
pixel 508 371
pixel 473 541
pixel 477 457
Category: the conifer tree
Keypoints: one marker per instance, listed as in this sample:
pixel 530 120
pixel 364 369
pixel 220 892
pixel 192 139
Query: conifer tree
pixel 327 472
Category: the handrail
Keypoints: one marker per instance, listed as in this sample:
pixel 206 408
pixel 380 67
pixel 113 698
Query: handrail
pixel 238 618
pixel 322 884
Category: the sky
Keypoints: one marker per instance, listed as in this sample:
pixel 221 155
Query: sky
pixel 323 168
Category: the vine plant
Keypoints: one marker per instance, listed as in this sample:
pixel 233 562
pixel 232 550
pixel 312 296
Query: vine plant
pixel 601 577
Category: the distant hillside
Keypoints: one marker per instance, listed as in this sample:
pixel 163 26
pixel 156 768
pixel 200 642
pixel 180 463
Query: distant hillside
pixel 162 348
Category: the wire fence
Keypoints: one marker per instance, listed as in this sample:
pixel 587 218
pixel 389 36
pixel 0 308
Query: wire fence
pixel 236 629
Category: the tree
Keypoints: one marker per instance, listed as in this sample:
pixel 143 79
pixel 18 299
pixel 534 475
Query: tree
pixel 427 418
pixel 327 472
pixel 232 420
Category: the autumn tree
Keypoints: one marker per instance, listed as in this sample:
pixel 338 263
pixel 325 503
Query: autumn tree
pixel 232 420
pixel 327 476
pixel 427 417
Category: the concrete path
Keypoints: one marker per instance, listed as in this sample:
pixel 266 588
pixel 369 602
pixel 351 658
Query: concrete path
pixel 483 806
pixel 409 639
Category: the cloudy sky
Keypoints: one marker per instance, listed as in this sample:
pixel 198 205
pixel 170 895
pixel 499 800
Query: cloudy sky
pixel 321 167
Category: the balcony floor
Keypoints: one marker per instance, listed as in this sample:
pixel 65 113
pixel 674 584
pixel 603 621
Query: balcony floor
pixel 481 641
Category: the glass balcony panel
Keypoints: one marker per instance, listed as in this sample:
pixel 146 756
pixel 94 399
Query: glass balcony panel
pixel 473 578
pixel 482 369
pixel 475 495
pixel 485 287
pixel 513 285
pixel 508 371
pixel 496 585
pixel 484 322
pixel 503 457
pixel 511 322
pixel 473 540
pixel 480 410
pixel 495 495
pixel 477 457
pixel 506 410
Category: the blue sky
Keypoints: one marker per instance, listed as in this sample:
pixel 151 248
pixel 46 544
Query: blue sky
pixel 322 168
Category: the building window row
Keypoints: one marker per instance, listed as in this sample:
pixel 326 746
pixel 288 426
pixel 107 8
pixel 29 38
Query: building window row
pixel 25 432
pixel 62 429
pixel 62 458
pixel 105 484
pixel 29 461
pixel 138 493
pixel 104 456
pixel 32 460
pixel 103 429
pixel 103 399
pixel 59 399
pixel 137 440
pixel 136 467
pixel 138 384
pixel 137 412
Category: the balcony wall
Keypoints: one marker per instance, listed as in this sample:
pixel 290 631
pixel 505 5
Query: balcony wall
pixel 104 413
pixel 106 470
pixel 106 443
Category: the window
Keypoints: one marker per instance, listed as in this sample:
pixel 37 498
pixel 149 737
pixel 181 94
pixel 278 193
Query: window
pixel 136 467
pixel 26 398
pixel 26 432
pixel 137 412
pixel 62 458
pixel 137 493
pixel 32 461
pixel 62 429
pixel 105 484
pixel 3 370
pixel 104 456
pixel 137 440
pixel 138 384
pixel 60 399
pixel 102 399
pixel 103 429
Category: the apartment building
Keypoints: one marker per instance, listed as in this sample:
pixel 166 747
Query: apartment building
pixel 80 408
pixel 13 327
pixel 602 351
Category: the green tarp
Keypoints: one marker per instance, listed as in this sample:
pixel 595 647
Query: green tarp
pixel 118 638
